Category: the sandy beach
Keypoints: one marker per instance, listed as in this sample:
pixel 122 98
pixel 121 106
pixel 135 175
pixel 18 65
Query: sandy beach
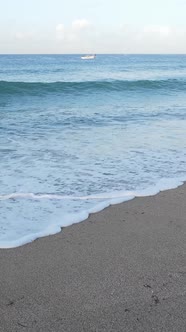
pixel 123 269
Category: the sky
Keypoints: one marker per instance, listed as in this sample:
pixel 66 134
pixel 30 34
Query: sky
pixel 96 26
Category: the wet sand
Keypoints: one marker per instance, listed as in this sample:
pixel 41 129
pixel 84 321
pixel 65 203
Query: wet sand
pixel 123 269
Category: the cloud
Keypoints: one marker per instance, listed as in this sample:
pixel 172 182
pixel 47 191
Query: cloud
pixel 80 24
pixel 159 30
pixel 152 38
pixel 23 36
pixel 60 31
pixel 19 35
pixel 77 30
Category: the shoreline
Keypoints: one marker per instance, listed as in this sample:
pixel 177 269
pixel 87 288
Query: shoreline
pixel 121 197
pixel 122 269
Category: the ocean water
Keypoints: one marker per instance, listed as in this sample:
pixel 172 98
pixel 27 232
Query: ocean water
pixel 77 136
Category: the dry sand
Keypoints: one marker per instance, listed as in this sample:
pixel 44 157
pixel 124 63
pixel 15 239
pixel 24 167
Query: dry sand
pixel 123 269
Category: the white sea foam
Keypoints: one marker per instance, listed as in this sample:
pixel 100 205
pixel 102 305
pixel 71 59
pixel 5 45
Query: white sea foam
pixel 163 184
pixel 72 218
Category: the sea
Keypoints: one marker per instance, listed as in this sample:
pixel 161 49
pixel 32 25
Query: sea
pixel 79 135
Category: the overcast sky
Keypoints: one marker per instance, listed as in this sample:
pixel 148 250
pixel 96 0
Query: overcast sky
pixel 95 26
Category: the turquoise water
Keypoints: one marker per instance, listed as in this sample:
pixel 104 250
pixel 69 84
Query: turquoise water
pixel 76 136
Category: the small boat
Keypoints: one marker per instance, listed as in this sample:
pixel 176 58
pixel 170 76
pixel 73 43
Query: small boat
pixel 88 57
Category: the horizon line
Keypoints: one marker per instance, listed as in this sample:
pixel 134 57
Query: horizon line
pixel 121 53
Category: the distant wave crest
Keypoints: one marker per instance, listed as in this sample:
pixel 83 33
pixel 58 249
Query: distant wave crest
pixel 41 88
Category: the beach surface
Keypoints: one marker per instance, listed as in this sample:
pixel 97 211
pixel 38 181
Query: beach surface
pixel 123 269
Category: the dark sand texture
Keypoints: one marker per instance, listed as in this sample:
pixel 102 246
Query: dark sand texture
pixel 123 269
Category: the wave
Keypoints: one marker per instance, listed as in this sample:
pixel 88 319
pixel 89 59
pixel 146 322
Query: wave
pixel 68 219
pixel 162 184
pixel 41 88
pixel 33 196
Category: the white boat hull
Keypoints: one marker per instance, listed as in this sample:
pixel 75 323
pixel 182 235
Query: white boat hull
pixel 88 57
